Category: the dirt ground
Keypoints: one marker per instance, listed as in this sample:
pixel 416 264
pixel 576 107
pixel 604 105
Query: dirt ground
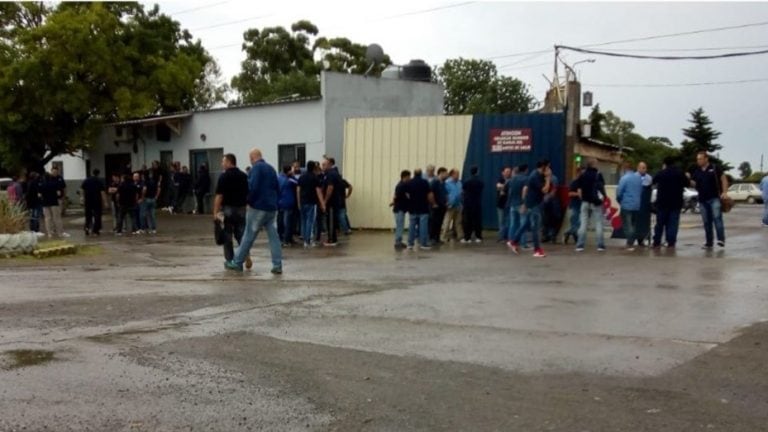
pixel 152 334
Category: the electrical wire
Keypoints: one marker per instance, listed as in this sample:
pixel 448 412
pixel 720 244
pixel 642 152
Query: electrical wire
pixel 194 9
pixel 638 39
pixel 697 84
pixel 649 57
pixel 689 49
pixel 423 11
pixel 230 22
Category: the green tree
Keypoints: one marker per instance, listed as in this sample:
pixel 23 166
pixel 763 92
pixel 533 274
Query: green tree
pixel 69 69
pixel 280 63
pixel 596 119
pixel 701 137
pixel 474 86
pixel 745 169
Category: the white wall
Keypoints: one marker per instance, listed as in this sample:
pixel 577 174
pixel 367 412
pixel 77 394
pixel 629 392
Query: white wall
pixel 235 130
pixel 354 96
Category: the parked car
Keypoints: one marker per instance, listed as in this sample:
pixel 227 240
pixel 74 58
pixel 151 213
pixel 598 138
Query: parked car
pixel 748 192
pixel 4 183
pixel 690 200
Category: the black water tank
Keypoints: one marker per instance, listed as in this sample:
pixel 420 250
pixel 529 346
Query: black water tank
pixel 417 70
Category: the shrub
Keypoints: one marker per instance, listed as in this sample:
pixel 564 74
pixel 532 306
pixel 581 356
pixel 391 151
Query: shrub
pixel 13 217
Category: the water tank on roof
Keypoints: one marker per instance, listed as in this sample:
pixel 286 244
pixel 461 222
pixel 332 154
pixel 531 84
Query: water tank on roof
pixel 416 70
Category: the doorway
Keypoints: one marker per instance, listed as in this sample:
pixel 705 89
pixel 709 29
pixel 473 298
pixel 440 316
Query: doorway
pixel 117 163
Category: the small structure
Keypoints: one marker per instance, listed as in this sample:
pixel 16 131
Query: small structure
pixel 286 129
pixel 609 156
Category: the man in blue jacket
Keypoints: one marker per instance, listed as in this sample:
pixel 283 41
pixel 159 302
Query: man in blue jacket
pixel 286 205
pixel 263 191
pixel 628 194
pixel 452 223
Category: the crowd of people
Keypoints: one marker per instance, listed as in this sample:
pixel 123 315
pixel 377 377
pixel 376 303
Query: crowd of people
pixel 442 208
pixel 305 204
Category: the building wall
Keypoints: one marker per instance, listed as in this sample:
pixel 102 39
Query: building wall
pixel 232 130
pixel 377 149
pixel 355 96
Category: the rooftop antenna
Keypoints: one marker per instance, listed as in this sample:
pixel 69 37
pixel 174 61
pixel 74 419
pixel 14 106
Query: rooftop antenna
pixel 374 54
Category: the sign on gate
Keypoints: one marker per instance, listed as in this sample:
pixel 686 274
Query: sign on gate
pixel 511 140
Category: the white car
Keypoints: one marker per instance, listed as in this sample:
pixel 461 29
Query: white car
pixel 690 199
pixel 748 192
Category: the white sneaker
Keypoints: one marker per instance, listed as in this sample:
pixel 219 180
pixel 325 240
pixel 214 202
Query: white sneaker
pixel 65 235
pixel 579 249
pixel 465 241
pixel 478 240
pixel 39 234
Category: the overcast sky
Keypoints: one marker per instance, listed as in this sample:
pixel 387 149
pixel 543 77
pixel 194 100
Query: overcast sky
pixel 438 30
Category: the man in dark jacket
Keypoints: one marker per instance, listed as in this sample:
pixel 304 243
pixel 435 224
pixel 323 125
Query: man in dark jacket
pixel 671 183
pixel 420 200
pixel 93 192
pixel 263 191
pixel 437 186
pixel 202 187
pixel 400 206
pixel 34 203
pixel 473 207
pixel 229 204
pixel 591 189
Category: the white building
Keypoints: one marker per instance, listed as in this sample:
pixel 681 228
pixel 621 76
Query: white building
pixel 285 130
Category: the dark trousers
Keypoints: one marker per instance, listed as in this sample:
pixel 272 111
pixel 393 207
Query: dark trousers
pixel 93 218
pixel 285 225
pixel 332 219
pixel 234 225
pixel 473 222
pixel 320 225
pixel 124 213
pixel 667 223
pixel 200 197
pixel 436 223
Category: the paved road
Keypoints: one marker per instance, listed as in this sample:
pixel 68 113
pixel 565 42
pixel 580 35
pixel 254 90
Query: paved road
pixel 152 334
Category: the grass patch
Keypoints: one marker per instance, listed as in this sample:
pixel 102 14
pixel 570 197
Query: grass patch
pixel 26 358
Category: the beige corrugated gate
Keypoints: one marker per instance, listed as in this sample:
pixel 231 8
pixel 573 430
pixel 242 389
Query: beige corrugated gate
pixel 377 149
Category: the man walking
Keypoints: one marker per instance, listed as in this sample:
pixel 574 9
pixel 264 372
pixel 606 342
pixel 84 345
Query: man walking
pixel 670 183
pixel 628 194
pixel 420 200
pixel 150 194
pixel 437 186
pixel 502 212
pixel 93 192
pixel 310 194
pixel 399 206
pixel 128 200
pixel 261 213
pixel 229 205
pixel 591 189
pixel 473 207
pixel 712 185
pixel 452 224
pixel 539 184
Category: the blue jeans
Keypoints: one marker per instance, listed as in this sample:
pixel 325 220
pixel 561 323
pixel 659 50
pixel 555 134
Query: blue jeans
pixel 765 211
pixel 667 222
pixel 285 225
pixel 575 220
pixel 35 213
pixel 420 224
pixel 503 216
pixel 629 225
pixel 343 221
pixel 255 220
pixel 589 211
pixel 712 214
pixel 308 219
pixel 530 220
pixel 515 223
pixel 148 217
pixel 399 227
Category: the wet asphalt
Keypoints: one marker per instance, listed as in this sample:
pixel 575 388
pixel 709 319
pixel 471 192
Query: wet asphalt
pixel 150 333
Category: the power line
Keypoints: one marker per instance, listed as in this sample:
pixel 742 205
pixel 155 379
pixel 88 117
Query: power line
pixel 689 49
pixel 198 8
pixel 423 11
pixel 230 23
pixel 648 57
pixel 507 68
pixel 697 84
pixel 644 38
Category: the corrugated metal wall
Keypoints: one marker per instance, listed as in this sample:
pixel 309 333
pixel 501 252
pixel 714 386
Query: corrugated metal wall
pixel 548 131
pixel 377 149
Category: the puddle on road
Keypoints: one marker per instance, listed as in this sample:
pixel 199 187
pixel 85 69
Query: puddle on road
pixel 17 359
